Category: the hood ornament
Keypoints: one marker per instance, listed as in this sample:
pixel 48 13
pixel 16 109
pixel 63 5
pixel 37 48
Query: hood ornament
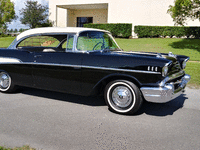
pixel 171 55
pixel 159 55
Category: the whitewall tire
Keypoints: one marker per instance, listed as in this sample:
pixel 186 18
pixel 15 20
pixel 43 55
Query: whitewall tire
pixel 6 84
pixel 123 97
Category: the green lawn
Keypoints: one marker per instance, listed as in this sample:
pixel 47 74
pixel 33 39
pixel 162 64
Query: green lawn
pixel 6 41
pixel 188 47
pixel 193 69
pixel 25 147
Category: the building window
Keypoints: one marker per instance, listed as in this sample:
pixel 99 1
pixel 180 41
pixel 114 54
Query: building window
pixel 84 20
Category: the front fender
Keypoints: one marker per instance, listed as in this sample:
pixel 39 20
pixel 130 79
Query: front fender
pixel 99 86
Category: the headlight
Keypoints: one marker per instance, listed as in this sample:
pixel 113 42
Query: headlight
pixel 184 64
pixel 164 71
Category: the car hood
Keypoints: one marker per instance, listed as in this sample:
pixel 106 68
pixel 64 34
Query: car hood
pixel 168 56
pixel 173 61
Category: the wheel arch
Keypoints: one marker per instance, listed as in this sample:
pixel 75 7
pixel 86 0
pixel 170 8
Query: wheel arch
pixel 10 74
pixel 11 87
pixel 1 70
pixel 100 86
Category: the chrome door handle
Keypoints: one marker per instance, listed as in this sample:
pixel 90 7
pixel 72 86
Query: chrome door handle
pixel 37 56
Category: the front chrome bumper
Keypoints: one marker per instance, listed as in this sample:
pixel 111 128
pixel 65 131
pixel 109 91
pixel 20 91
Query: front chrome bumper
pixel 165 93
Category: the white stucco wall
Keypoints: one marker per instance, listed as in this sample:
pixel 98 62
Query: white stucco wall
pixel 137 12
pixel 99 16
pixel 61 17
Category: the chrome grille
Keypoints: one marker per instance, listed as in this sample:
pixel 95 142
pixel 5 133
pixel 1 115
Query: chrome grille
pixel 176 67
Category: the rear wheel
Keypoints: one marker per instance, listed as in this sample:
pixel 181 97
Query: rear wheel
pixel 6 84
pixel 123 97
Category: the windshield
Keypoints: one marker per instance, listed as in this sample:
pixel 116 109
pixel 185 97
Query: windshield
pixel 95 40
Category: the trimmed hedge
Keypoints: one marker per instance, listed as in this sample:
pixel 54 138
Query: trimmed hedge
pixel 158 31
pixel 4 35
pixel 117 30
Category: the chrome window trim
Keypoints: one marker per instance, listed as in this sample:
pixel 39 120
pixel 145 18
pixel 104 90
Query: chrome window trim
pixel 110 35
pixel 61 43
pixel 12 45
pixel 68 35
pixel 93 30
pixel 75 43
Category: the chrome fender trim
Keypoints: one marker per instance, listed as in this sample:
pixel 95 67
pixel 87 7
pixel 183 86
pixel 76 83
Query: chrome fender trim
pixel 6 60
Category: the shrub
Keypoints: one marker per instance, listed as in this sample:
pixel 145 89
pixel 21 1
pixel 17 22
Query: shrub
pixel 117 30
pixel 157 31
pixel 168 31
pixel 4 35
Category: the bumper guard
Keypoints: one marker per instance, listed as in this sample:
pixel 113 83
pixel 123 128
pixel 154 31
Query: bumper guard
pixel 165 93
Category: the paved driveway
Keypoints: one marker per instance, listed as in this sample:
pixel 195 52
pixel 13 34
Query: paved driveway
pixel 50 120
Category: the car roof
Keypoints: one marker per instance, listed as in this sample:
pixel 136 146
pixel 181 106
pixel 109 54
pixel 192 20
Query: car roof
pixel 53 30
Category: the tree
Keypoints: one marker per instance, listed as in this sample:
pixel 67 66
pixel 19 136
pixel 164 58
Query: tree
pixel 7 13
pixel 4 28
pixel 15 30
pixel 184 10
pixel 21 30
pixel 34 14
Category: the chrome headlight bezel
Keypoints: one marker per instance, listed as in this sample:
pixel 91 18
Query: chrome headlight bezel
pixel 183 65
pixel 165 71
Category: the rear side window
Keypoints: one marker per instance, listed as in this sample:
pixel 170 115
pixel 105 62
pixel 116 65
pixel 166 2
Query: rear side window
pixel 39 41
pixel 68 44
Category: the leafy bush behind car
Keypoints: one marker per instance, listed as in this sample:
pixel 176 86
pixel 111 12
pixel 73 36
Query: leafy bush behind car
pixel 158 31
pixel 117 30
pixel 4 35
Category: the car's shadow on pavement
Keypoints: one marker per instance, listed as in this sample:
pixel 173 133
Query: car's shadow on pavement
pixel 163 109
pixel 148 108
pixel 84 100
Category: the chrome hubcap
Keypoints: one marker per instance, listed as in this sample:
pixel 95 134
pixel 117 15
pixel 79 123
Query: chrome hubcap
pixel 4 81
pixel 122 96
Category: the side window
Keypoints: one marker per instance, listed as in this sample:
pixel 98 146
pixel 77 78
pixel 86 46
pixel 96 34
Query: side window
pixel 64 45
pixel 68 43
pixel 39 41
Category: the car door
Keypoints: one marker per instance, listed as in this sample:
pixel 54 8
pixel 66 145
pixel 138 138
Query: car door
pixel 58 71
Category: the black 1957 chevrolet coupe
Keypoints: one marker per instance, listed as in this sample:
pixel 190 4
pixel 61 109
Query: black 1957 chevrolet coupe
pixel 88 61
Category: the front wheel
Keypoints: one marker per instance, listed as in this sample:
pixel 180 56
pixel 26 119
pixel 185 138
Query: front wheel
pixel 123 97
pixel 6 84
